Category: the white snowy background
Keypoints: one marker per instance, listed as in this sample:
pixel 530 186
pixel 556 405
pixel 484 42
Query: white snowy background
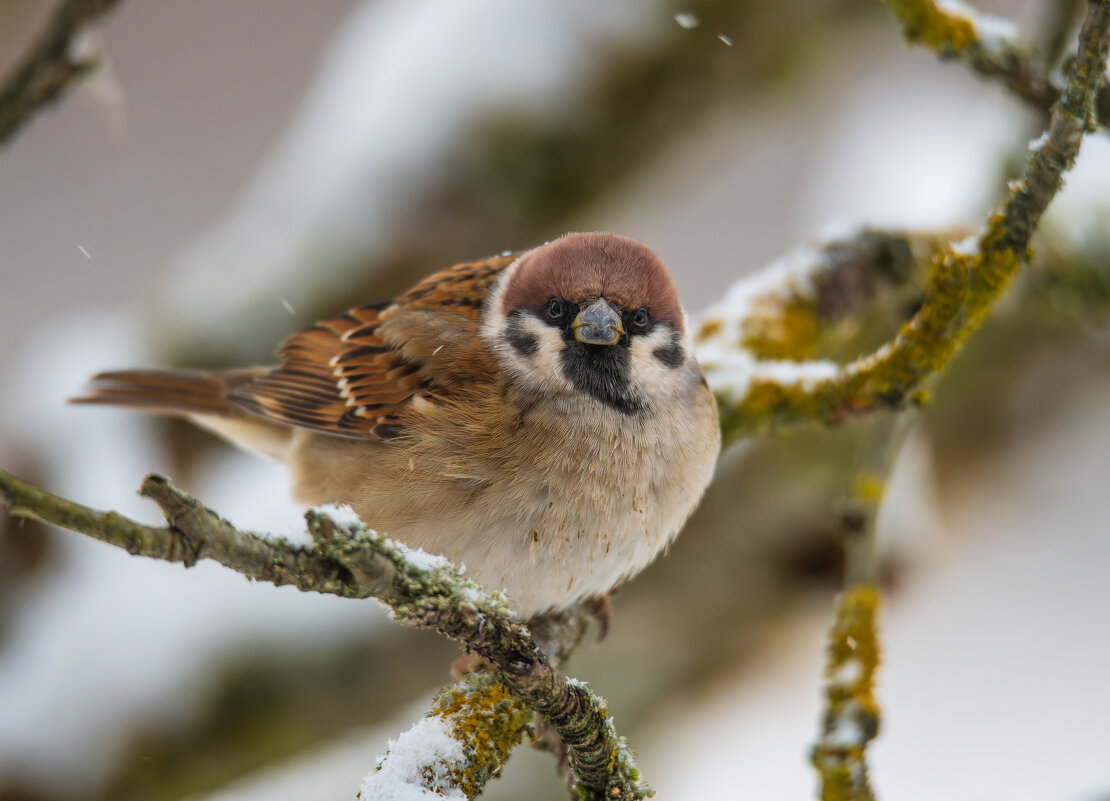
pixel 129 207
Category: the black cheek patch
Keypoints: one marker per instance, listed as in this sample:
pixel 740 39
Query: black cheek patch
pixel 523 343
pixel 671 355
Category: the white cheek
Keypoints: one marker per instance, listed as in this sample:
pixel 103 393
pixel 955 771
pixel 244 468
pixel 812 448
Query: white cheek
pixel 547 358
pixel 650 376
pixel 493 320
pixel 543 367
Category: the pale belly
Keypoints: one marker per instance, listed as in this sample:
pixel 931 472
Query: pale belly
pixel 548 526
pixel 547 549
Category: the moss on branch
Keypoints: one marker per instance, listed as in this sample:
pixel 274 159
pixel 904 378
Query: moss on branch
pixel 851 715
pixel 923 21
pixel 473 727
pixel 481 711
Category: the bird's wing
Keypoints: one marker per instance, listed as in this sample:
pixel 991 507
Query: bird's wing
pixel 357 374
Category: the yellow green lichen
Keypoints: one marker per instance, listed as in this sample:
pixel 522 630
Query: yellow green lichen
pixel 786 328
pixel 851 716
pixel 868 487
pixel 709 329
pixel 488 720
pixel 962 288
pixel 924 22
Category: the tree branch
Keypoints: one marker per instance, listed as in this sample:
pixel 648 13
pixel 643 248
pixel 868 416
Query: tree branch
pixel 851 716
pixel 352 561
pixel 50 67
pixel 441 600
pixel 459 746
pixel 986 46
pixel 965 281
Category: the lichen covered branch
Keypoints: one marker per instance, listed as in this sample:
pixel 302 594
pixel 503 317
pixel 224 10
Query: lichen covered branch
pixel 439 599
pixel 459 746
pixel 352 561
pixel 965 280
pixel 988 46
pixel 851 715
pixel 51 66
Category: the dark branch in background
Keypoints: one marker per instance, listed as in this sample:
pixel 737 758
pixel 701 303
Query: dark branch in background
pixel 1062 15
pixel 51 66
pixel 354 562
pixel 951 34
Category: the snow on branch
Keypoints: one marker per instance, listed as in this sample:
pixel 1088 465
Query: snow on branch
pixel 770 329
pixel 964 282
pixel 987 45
pixel 51 66
pixel 453 751
pixel 350 560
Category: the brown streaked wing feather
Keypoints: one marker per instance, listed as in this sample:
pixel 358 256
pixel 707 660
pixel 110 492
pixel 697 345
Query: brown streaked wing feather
pixel 345 377
pixel 461 289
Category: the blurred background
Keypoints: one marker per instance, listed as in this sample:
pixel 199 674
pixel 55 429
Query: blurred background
pixel 239 169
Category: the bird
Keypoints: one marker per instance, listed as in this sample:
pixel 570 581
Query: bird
pixel 538 417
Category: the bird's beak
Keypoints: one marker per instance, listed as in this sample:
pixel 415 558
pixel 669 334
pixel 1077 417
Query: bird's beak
pixel 598 324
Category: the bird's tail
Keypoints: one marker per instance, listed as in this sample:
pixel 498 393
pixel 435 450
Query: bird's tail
pixel 200 396
pixel 179 393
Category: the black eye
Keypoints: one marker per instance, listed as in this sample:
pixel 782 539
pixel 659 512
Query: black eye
pixel 555 309
pixel 640 318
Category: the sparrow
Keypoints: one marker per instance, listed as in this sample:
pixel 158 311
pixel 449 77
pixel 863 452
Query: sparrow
pixel 538 417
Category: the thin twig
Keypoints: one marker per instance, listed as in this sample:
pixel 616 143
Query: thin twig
pixel 50 67
pixel 851 715
pixel 953 34
pixel 850 719
pixel 353 561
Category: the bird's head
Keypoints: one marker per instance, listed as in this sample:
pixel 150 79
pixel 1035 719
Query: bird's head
pixel 593 314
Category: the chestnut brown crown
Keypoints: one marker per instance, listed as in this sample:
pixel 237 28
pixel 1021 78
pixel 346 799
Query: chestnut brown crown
pixel 583 266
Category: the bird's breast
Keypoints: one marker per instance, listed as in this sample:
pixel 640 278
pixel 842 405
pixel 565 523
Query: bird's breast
pixel 552 506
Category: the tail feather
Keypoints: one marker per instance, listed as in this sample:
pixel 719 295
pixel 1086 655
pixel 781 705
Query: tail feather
pixel 172 392
pixel 197 395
